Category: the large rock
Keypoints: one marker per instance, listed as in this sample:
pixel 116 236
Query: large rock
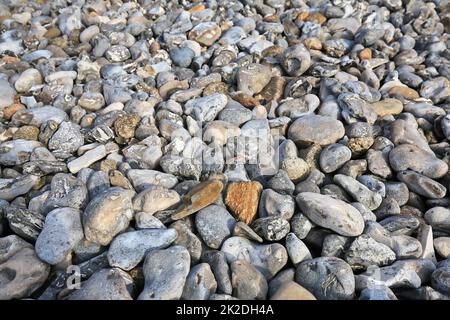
pixel 411 157
pixel 106 284
pixel 165 273
pixel 61 233
pixel 128 249
pixel 268 259
pixel 317 129
pixel 327 278
pixel 331 213
pixel 21 271
pixel 108 214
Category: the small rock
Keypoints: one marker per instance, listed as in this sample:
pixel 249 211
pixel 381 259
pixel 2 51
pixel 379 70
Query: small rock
pixel 331 213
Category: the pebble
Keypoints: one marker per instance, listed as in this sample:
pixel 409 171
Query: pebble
pixel 422 185
pixel 61 233
pixel 333 157
pixel 317 129
pixel 215 224
pixel 248 283
pixel 296 249
pixel 292 291
pixel 271 228
pixel 105 284
pixel 268 259
pixel 128 249
pixel 358 191
pixel 365 252
pixel 327 278
pixel 275 204
pixel 200 283
pixel 107 214
pixel 27 80
pixel 21 270
pixel 331 213
pixel 442 246
pixel 165 273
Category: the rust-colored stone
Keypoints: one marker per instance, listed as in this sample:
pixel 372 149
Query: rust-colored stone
pixel 9 111
pixel 365 54
pixel 405 92
pixel 243 198
pixel 10 59
pixel 272 18
pixel 313 43
pixel 245 100
pixel 316 17
pixel 196 8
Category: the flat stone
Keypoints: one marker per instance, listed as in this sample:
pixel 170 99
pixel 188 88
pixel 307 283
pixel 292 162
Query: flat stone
pixel 128 249
pixel 442 246
pixel 317 129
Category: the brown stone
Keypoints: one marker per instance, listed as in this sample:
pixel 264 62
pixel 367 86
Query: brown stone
pixel 52 33
pixel 170 87
pixel 316 17
pixel 302 16
pixel 245 99
pixel 360 145
pixel 272 51
pixel 292 291
pixel 205 33
pixel 9 111
pixel 27 133
pixel 272 18
pixel 365 54
pixel 274 90
pixel 117 179
pixel 387 107
pixel 313 43
pixel 155 47
pixel 200 196
pixel 215 87
pixel 242 199
pixel 9 59
pixel 405 92
pixel 196 8
pixel 125 126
